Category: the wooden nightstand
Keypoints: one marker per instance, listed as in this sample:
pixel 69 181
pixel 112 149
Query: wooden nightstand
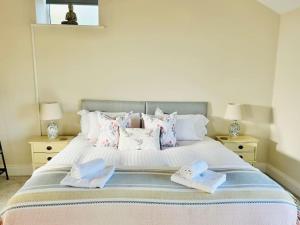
pixel 43 149
pixel 244 146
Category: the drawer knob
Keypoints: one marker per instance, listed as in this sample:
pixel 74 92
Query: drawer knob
pixel 241 146
pixel 49 148
pixel 241 156
pixel 49 158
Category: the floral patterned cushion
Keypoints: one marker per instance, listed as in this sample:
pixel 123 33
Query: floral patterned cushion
pixel 166 124
pixel 139 139
pixel 109 129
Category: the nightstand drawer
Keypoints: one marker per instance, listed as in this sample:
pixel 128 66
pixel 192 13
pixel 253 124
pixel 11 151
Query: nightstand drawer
pixel 43 149
pixel 243 146
pixel 42 158
pixel 49 147
pixel 240 147
pixel 247 156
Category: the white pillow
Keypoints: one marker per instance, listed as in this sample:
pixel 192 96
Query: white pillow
pixel 167 128
pixel 191 127
pixel 108 129
pixel 188 127
pixel 93 126
pixel 139 139
pixel 84 122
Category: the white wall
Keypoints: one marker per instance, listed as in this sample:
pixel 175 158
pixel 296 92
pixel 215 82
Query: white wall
pixel 18 111
pixel 285 153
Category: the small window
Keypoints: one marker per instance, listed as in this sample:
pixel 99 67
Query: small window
pixel 86 14
pixel 69 12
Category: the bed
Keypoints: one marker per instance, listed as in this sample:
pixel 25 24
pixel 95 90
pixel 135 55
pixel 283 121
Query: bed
pixel 141 193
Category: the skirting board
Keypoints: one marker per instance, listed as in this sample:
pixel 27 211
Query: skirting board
pixel 261 166
pixel 19 170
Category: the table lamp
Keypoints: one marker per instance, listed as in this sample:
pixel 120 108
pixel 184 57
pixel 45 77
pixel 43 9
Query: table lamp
pixel 51 112
pixel 233 113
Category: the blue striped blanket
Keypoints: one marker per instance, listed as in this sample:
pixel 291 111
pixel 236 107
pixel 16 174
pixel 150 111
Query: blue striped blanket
pixel 247 197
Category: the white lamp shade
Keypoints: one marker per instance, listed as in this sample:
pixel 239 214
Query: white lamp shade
pixel 233 112
pixel 50 111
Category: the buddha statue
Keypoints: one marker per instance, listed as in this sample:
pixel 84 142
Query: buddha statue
pixel 71 18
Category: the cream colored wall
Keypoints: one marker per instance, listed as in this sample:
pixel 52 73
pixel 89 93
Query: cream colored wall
pixel 285 130
pixel 17 94
pixel 215 51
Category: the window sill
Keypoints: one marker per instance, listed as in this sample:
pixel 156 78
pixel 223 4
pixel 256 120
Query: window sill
pixel 69 26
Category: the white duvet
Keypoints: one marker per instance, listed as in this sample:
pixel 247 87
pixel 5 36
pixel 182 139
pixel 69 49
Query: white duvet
pixel 214 153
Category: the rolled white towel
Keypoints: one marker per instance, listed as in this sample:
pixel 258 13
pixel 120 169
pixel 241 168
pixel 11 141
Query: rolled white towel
pixel 87 170
pixel 193 170
pixel 97 182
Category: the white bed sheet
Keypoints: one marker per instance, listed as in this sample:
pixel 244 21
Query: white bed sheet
pixel 214 153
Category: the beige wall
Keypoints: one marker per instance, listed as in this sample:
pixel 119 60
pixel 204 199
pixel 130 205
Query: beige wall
pixel 285 130
pixel 209 50
pixel 17 96
pixel 218 51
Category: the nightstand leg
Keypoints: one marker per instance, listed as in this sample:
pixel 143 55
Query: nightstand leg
pixel 4 164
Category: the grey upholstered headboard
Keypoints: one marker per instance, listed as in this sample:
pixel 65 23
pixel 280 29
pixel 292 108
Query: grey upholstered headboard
pixel 113 106
pixel 179 107
pixel 145 107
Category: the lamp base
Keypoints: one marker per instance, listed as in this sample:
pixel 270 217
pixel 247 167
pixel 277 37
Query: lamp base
pixel 52 130
pixel 234 129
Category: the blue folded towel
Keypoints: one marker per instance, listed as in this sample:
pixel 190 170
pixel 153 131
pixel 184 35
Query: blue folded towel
pixel 193 170
pixel 88 170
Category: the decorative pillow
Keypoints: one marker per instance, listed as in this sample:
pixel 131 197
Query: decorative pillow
pixel 159 112
pixel 92 121
pixel 84 122
pixel 109 129
pixel 188 127
pixel 135 117
pixel 167 128
pixel 139 139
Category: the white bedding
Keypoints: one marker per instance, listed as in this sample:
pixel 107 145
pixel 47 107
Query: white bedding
pixel 248 198
pixel 209 150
